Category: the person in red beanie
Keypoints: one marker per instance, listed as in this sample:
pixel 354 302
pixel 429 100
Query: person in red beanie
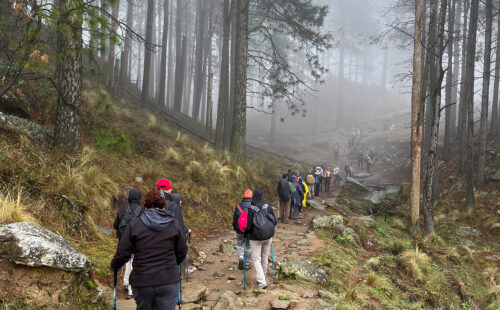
pixel 244 254
pixel 165 187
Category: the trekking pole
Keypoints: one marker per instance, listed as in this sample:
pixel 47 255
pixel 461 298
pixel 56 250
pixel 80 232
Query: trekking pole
pixel 244 264
pixel 187 265
pixel 180 290
pixel 114 290
pixel 272 261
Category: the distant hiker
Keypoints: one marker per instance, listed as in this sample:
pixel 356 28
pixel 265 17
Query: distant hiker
pixel 353 138
pixel 349 141
pixel 327 179
pixel 177 198
pixel 361 159
pixel 318 174
pixel 371 153
pixel 260 229
pixel 336 149
pixel 348 170
pixel 285 198
pixel 368 163
pixel 336 175
pixel 240 223
pixel 297 193
pixel 306 192
pixel 310 181
pixel 159 245
pixel 125 215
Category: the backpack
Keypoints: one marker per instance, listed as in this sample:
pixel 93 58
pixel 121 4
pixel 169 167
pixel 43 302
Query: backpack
pixel 284 189
pixel 242 220
pixel 263 223
pixel 127 217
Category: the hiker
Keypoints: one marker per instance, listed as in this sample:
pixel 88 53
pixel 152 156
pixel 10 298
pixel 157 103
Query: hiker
pixel 297 193
pixel 336 148
pixel 361 159
pixel 349 141
pixel 125 215
pixel 348 170
pixel 318 173
pixel 368 163
pixel 260 229
pixel 336 175
pixel 159 245
pixel 371 153
pixel 327 180
pixel 285 198
pixel 306 192
pixel 310 184
pixel 165 187
pixel 177 198
pixel 240 217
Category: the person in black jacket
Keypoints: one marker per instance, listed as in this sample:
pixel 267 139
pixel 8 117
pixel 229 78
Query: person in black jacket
pixel 134 209
pixel 159 245
pixel 243 243
pixel 258 245
pixel 285 198
pixel 177 199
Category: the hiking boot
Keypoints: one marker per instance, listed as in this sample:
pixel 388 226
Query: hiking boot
pixel 263 287
pixel 190 270
pixel 240 264
pixel 248 267
pixel 129 296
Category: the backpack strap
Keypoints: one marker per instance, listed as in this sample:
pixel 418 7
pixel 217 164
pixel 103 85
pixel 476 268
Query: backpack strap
pixel 239 207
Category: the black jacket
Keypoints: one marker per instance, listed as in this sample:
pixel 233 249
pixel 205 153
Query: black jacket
pixel 244 204
pixel 173 206
pixel 257 203
pixel 158 245
pixel 283 189
pixel 134 201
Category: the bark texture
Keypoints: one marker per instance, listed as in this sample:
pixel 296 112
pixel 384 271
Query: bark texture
pixel 163 65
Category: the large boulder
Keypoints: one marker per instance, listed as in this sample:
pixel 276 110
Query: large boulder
pixel 228 301
pixel 15 103
pixel 303 269
pixel 36 132
pixel 40 266
pixel 316 205
pixel 337 222
pixel 496 176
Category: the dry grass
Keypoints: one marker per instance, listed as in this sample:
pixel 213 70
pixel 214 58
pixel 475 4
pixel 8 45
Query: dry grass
pixel 416 263
pixel 196 171
pixel 432 241
pixel 373 263
pixel 373 280
pixel 172 156
pixel 395 247
pixel 492 275
pixel 398 224
pixel 12 209
pixel 351 294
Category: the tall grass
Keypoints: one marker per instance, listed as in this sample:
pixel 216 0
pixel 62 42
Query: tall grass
pixel 13 210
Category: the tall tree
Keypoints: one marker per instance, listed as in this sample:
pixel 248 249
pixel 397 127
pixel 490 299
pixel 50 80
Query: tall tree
pixel 469 101
pixel 449 80
pixel 456 66
pixel 239 115
pixel 111 53
pixel 228 130
pixel 201 15
pixel 483 127
pixel 223 100
pixel 171 46
pixel 148 52
pixel 340 93
pixel 163 65
pixel 180 70
pixel 178 55
pixel 416 116
pixel 125 58
pixel 67 129
pixel 494 109
pixel 462 110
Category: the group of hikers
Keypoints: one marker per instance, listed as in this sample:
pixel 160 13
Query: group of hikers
pixel 153 244
pixel 365 159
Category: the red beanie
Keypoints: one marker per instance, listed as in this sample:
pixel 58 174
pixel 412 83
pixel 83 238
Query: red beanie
pixel 164 184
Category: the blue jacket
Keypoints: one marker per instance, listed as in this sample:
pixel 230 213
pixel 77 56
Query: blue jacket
pixel 298 192
pixel 244 204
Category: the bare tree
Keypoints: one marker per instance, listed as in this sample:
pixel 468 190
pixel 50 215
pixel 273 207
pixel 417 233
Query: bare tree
pixel 494 109
pixel 163 63
pixel 148 53
pixel 449 80
pixel 111 53
pixel 178 55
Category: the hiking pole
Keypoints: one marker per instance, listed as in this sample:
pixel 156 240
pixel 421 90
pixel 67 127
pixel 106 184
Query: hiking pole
pixel 187 264
pixel 244 264
pixel 272 261
pixel 180 291
pixel 114 290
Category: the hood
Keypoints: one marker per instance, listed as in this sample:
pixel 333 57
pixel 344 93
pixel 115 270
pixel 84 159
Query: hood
pixel 258 198
pixel 134 196
pixel 157 219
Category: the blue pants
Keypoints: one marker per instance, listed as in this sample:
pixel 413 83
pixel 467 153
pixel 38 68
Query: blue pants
pixel 161 297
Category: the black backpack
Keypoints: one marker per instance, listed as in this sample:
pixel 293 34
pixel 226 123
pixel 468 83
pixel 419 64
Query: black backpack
pixel 127 217
pixel 284 189
pixel 263 223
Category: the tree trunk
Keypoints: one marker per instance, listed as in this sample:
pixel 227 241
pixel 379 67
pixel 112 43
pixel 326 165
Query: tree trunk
pixel 469 100
pixel 384 68
pixel 201 13
pixel 340 94
pixel 111 55
pixel 228 130
pixel 237 148
pixel 456 65
pixel 171 47
pixel 186 96
pixel 67 128
pixel 148 53
pixel 208 121
pixel 416 116
pixel 179 80
pixel 483 127
pixel 494 109
pixel 163 66
pixel 223 100
pixel 449 80
pixel 462 110
pixel 178 55
pixel 126 68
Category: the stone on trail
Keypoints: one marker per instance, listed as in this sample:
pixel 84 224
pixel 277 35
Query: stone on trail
pixel 335 221
pixel 316 205
pixel 196 297
pixel 228 301
pixel 496 176
pixel 361 175
pixel 190 306
pixel 303 269
pixel 226 248
pixel 280 304
pixel 326 294
pixel 356 182
pixel 320 304
pixel 308 294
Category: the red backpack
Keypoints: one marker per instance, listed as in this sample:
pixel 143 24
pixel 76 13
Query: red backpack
pixel 242 220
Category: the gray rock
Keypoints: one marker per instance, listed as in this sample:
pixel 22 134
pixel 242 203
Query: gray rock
pixel 496 176
pixel 280 304
pixel 104 230
pixel 33 246
pixel 191 306
pixel 303 241
pixel 335 221
pixel 196 297
pixel 316 205
pixel 326 294
pixel 365 218
pixel 303 269
pixel 320 304
pixel 15 103
pixel 356 183
pixel 139 180
pixel 308 294
pixel 226 248
pixel 465 231
pixel 33 130
pixel 228 301
pixel 361 175
pixel 492 152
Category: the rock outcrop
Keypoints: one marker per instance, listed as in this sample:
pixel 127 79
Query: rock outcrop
pixel 336 222
pixel 36 132
pixel 228 301
pixel 303 269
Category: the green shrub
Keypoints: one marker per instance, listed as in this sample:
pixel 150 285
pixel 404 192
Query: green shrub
pixel 113 139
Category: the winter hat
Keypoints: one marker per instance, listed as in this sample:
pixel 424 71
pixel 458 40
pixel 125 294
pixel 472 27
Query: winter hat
pixel 301 179
pixel 248 194
pixel 163 184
